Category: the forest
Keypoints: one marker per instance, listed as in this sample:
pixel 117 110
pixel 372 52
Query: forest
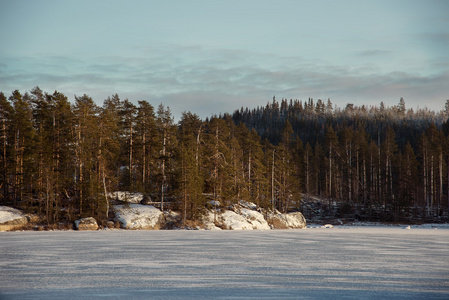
pixel 64 160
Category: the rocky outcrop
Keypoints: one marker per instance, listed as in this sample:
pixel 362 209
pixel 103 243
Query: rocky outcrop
pixel 242 216
pixel 12 219
pixel 287 221
pixel 86 224
pixel 14 224
pixel 136 216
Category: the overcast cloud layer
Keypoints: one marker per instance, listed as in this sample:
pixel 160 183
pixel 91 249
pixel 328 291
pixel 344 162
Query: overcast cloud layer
pixel 211 57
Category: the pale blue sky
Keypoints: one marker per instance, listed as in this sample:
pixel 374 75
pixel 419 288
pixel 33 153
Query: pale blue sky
pixel 216 56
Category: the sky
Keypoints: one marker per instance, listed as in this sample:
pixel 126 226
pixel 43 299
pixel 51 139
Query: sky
pixel 210 57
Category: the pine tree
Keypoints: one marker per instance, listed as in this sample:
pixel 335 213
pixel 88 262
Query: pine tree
pixel 6 115
pixel 167 144
pixel 389 150
pixel 190 159
pixel 147 139
pixel 22 151
pixel 128 118
pixel 86 136
pixel 331 144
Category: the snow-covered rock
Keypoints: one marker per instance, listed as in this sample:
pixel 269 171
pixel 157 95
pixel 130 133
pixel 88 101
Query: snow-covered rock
pixel 86 224
pixel 285 221
pixel 239 218
pixel 136 216
pixel 11 218
pixel 233 221
pixel 255 218
pixel 249 205
pixel 209 222
pixel 127 197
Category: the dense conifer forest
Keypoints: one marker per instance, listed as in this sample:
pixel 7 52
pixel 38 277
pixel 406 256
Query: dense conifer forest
pixel 64 160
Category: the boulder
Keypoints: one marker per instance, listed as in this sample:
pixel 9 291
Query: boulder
pixel 86 224
pixel 233 221
pixel 146 200
pixel 286 221
pixel 127 197
pixel 136 216
pixel 239 217
pixel 12 219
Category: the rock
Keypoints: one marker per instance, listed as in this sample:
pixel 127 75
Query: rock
pixel 12 219
pixel 238 218
pixel 233 221
pixel 136 216
pixel 86 224
pixel 146 200
pixel 110 224
pixel 286 221
pixel 172 216
pixel 127 197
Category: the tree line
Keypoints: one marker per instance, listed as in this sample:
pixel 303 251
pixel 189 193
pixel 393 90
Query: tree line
pixel 64 160
pixel 389 159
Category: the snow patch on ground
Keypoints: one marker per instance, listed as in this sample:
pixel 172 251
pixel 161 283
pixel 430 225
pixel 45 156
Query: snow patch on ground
pixel 136 216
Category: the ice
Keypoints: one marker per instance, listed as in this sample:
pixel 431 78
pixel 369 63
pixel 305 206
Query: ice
pixel 363 262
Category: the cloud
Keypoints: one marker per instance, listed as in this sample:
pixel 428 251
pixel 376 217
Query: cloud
pixel 374 53
pixel 207 81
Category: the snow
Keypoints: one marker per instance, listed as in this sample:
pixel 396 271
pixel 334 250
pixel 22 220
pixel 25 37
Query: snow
pixel 355 262
pixel 9 214
pixel 136 216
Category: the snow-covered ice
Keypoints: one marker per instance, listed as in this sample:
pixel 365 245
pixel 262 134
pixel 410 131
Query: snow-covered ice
pixel 345 262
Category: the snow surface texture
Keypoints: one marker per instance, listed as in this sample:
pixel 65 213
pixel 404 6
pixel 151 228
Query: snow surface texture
pixel 136 216
pixel 317 263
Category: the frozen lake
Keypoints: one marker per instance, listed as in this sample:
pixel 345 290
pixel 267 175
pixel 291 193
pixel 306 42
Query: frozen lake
pixel 354 263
